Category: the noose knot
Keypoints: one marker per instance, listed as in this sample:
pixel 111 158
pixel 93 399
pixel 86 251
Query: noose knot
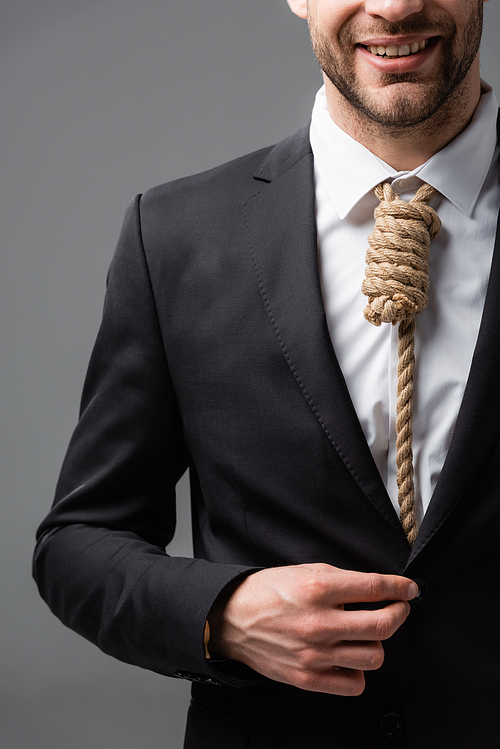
pixel 397 260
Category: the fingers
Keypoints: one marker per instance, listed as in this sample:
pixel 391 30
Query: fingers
pixel 334 680
pixel 358 587
pixel 376 625
pixel 338 669
pixel 362 656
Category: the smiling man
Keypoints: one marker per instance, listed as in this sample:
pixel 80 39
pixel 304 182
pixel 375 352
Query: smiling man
pixel 344 475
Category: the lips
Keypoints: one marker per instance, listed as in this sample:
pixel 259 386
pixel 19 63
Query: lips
pixel 395 54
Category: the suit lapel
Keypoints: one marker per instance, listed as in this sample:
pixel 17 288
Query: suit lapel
pixel 281 225
pixel 478 421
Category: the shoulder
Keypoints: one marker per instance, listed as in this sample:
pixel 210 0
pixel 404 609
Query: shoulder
pixel 183 227
pixel 228 182
pixel 206 210
pixel 219 183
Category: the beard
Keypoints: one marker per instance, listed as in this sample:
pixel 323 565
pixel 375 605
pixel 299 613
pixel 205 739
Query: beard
pixel 408 105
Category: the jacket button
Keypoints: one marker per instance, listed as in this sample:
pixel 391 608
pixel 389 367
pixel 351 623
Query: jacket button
pixel 392 725
pixel 422 588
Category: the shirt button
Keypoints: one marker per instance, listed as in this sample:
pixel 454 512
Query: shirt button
pixel 392 725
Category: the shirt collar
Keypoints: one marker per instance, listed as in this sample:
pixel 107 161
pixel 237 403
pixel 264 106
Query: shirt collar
pixel 350 171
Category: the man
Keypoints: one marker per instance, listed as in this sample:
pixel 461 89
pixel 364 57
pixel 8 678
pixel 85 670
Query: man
pixel 215 352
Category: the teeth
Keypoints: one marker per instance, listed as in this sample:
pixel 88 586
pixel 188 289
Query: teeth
pixel 402 51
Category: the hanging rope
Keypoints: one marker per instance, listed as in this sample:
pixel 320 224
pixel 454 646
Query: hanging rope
pixel 396 284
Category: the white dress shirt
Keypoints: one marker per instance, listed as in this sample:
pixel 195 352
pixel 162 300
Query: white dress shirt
pixel 466 175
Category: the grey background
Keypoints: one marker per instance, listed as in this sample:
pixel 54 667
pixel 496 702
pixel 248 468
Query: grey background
pixel 99 100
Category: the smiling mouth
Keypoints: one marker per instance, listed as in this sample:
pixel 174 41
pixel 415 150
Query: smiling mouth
pixel 394 51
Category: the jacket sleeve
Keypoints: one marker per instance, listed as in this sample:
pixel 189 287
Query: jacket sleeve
pixel 100 560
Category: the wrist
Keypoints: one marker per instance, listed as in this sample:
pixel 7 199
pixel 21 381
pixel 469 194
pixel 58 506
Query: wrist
pixel 206 640
pixel 221 632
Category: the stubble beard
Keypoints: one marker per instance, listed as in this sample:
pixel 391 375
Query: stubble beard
pixel 422 101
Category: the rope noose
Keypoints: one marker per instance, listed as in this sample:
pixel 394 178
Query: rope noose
pixel 396 284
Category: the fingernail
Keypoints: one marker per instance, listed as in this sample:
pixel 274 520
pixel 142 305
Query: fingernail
pixel 412 590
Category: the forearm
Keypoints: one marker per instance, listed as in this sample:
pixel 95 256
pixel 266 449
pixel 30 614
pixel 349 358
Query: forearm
pixel 129 597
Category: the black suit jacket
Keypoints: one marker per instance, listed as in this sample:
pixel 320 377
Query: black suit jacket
pixel 214 353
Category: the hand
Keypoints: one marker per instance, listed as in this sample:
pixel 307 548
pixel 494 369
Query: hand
pixel 289 624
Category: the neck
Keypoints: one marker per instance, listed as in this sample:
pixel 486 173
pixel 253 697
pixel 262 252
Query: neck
pixel 407 147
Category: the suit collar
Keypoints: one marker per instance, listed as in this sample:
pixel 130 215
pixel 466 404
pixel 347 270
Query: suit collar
pixel 349 170
pixel 284 156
